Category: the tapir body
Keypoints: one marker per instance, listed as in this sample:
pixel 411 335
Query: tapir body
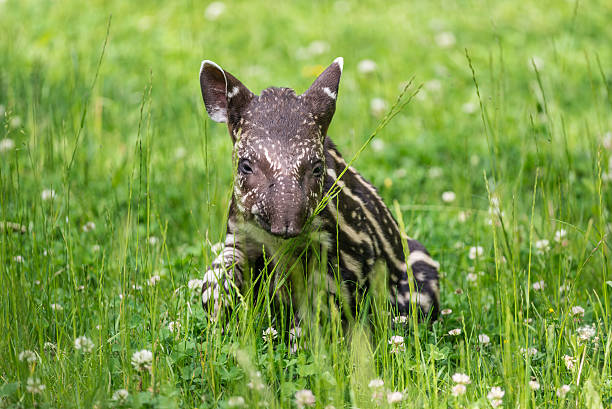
pixel 282 219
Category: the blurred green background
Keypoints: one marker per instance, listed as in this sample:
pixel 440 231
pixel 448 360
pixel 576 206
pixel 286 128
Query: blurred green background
pixel 50 51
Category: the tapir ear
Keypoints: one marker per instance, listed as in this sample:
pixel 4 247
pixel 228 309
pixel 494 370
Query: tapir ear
pixel 323 93
pixel 224 96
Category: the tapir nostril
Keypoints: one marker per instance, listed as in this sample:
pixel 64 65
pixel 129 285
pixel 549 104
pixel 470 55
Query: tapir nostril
pixel 291 230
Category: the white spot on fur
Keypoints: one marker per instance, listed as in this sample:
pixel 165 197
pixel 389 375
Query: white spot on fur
pixel 217 114
pixel 340 62
pixel 329 93
pixel 233 93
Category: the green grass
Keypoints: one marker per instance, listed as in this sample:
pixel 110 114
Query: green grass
pixel 131 150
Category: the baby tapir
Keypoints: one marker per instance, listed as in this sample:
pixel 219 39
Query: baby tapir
pixel 285 164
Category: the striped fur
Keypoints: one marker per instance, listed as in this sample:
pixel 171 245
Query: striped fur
pixel 286 164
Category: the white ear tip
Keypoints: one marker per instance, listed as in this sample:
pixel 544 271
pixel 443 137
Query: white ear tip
pixel 212 63
pixel 340 62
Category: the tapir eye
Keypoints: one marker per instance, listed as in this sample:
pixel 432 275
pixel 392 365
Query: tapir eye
pixel 317 169
pixel 244 167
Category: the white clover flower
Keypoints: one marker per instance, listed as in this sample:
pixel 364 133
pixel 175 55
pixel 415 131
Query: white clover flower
pixel 366 67
pixel 376 383
pixel 136 287
pixel 49 347
pixel 563 288
pixel 315 48
pixel 235 401
pixel 542 246
pixel 400 319
pixel 397 344
pixel 27 356
pixel 378 395
pixel 494 205
pixel 570 362
pixel 578 311
pixel 195 284
pixel 562 391
pixel 469 107
pixel 462 216
pixel 435 172
pixel 433 85
pixel 318 47
pixel 18 259
pixel 445 39
pixel 34 386
pixel 475 252
pixel 142 360
pixel 455 332
pixel 154 279
pixel 120 395
pixel 89 226
pixel 560 235
pixel 606 139
pixel 537 61
pixel 269 334
pixel 484 339
pixel 585 333
pixel 378 145
pixel 528 351
pixel 394 397
pixel 256 382
pixel 180 152
pixel 534 385
pixel 472 277
pixel 496 402
pixel 446 311
pixel 214 10
pixel 461 378
pixel 378 107
pixel 495 396
pixel 153 240
pixel 458 389
pixel 57 307
pixel 96 248
pixel 83 344
pixel 6 144
pixel 538 285
pixel 304 397
pixel 174 326
pixel 448 197
pixel 15 122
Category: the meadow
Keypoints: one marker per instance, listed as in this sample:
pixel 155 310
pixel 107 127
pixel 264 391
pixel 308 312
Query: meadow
pixel 114 187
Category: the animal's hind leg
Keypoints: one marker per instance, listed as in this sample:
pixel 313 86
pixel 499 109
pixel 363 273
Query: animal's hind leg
pixel 424 292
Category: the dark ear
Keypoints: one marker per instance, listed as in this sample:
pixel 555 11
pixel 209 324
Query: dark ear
pixel 323 93
pixel 224 96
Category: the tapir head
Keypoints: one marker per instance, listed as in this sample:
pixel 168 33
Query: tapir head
pixel 278 139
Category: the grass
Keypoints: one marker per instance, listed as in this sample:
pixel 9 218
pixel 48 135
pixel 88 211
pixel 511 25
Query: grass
pixel 513 117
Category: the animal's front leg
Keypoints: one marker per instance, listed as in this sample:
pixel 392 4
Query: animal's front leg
pixel 224 277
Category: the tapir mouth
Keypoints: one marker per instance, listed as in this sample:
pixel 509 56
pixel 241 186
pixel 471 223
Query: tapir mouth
pixel 286 230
